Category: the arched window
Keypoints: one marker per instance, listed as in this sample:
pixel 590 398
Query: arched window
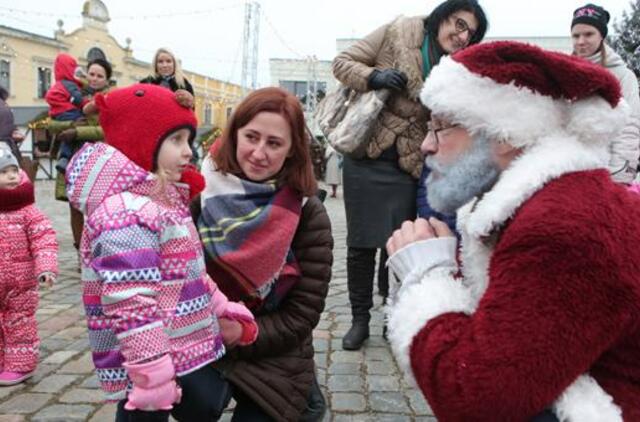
pixel 95 53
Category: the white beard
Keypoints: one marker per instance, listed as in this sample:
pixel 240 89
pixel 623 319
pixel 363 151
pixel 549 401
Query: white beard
pixel 474 173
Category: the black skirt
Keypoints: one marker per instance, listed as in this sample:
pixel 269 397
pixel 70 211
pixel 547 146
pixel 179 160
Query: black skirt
pixel 378 198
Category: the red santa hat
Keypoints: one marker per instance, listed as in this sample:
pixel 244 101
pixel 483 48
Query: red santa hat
pixel 521 93
pixel 136 120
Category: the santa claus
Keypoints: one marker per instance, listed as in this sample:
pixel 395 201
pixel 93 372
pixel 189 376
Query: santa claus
pixel 543 314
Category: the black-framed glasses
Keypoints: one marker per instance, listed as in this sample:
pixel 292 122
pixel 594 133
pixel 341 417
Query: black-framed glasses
pixel 461 26
pixel 435 129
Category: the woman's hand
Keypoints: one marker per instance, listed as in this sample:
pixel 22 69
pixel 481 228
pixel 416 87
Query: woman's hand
pixel 388 78
pixel 231 331
pixel 90 108
pixel 184 98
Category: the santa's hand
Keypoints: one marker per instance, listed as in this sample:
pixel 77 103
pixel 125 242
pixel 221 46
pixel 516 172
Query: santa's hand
pixel 440 228
pixel 409 232
pixel 420 246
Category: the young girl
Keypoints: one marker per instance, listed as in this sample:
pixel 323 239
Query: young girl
pixel 29 254
pixel 152 310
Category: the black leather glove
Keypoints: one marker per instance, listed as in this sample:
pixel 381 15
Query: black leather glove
pixel 388 78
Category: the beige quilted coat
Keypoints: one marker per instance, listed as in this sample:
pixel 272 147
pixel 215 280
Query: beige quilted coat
pixel 404 119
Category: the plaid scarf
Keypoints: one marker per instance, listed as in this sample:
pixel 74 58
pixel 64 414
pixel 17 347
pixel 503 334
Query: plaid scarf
pixel 247 229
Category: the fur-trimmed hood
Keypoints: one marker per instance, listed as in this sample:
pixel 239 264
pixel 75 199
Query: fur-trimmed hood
pixel 98 171
pixel 19 197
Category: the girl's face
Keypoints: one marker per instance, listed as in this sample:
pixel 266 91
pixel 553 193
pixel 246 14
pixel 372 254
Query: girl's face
pixel 175 154
pixel 456 31
pixel 586 40
pixel 9 177
pixel 263 146
pixel 165 65
pixel 97 77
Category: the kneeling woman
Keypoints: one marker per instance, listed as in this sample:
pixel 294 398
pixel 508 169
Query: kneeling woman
pixel 268 243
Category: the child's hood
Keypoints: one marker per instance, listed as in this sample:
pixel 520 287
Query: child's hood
pixel 65 67
pixel 19 197
pixel 98 171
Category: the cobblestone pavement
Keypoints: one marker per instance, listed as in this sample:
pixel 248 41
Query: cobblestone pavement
pixel 360 386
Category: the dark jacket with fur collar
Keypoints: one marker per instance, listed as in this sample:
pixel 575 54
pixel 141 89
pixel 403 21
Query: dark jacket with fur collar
pixel 404 119
pixel 172 82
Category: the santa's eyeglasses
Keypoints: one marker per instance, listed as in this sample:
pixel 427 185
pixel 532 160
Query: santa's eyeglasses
pixel 439 127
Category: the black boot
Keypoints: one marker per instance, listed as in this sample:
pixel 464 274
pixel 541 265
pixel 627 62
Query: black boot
pixel 360 270
pixel 316 404
pixel 356 335
pixel 383 274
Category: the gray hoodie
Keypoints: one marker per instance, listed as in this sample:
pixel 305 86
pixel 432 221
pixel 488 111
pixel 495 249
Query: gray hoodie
pixel 625 149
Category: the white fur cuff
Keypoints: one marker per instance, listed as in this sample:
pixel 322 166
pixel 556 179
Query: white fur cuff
pixel 586 401
pixel 419 257
pixel 415 305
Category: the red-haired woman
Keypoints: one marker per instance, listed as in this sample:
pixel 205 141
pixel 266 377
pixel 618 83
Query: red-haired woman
pixel 268 243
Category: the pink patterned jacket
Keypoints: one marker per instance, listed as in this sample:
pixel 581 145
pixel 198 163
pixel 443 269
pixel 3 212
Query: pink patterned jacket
pixel 146 291
pixel 27 240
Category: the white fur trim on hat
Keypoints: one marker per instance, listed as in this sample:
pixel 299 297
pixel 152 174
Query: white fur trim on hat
pixel 593 120
pixel 516 114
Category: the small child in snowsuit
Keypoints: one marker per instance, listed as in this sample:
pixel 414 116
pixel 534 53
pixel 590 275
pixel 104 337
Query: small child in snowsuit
pixel 153 312
pixel 65 101
pixel 28 254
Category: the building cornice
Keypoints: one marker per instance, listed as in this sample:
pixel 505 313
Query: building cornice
pixel 29 36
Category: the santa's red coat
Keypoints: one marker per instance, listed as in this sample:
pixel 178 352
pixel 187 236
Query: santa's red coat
pixel 550 302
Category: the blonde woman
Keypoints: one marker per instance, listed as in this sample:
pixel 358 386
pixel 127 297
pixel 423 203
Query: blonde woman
pixel 167 72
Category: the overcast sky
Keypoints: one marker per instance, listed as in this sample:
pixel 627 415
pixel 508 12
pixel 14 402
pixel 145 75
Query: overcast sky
pixel 207 34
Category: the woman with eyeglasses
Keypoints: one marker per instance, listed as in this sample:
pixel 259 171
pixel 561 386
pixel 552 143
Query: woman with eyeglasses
pixel 380 189
pixel 588 32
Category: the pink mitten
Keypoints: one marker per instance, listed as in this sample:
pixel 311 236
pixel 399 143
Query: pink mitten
pixel 154 385
pixel 224 308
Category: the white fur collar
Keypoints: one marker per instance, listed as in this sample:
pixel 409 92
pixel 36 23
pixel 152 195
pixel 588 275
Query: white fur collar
pixel 539 164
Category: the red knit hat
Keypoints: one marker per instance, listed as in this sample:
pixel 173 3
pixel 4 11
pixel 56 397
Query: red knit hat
pixel 136 119
pixel 521 93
